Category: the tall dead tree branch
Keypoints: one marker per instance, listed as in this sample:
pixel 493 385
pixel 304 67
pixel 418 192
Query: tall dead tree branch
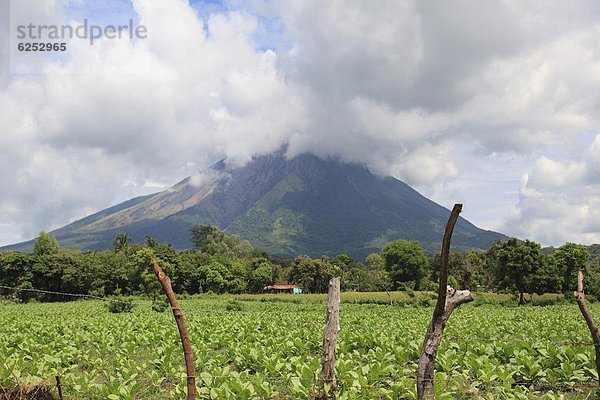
pixel 587 315
pixel 448 299
pixel 165 282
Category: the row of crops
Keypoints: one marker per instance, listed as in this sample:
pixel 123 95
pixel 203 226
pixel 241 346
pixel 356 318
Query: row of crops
pixel 272 350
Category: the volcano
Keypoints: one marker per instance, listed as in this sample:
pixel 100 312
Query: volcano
pixel 286 207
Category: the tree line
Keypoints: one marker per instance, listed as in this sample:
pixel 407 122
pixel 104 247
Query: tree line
pixel 220 263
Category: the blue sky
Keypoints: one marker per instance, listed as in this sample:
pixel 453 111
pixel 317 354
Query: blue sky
pixel 270 33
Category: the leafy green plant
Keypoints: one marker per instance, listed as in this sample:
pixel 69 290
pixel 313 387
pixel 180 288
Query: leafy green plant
pixel 233 305
pixel 117 305
pixel 160 306
pixel 425 302
pixel 272 349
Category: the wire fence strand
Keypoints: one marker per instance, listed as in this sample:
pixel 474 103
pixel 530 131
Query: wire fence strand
pixel 79 295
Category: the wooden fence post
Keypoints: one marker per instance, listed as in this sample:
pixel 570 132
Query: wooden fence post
pixel 59 387
pixel 330 334
pixel 448 299
pixel 165 282
pixel 587 315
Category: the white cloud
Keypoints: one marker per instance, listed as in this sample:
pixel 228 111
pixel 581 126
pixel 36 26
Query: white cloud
pixel 200 178
pixel 426 166
pixel 125 113
pixel 558 202
pixel 541 97
pixel 548 173
pixel 593 162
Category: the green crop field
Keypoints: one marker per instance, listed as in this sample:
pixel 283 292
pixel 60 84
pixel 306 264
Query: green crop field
pixel 271 349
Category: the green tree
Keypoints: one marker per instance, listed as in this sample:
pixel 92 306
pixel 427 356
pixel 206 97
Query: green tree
pixel 570 258
pixel 456 269
pixel 23 271
pixel 548 278
pixel 205 236
pixel 405 263
pixel 261 274
pixel 313 275
pixel 66 272
pixel 189 275
pixel 45 244
pixel 375 261
pixel 237 279
pixel 214 276
pixel 121 242
pixel 516 263
pixel 592 278
pixel 16 268
pixel 474 266
pixel 110 272
pixel 354 275
pixel 150 241
pixel 209 239
pixel 468 268
pixel 141 265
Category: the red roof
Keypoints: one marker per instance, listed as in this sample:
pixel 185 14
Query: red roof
pixel 281 286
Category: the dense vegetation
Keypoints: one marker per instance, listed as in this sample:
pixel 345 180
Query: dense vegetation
pixel 256 346
pixel 224 264
pixel 265 349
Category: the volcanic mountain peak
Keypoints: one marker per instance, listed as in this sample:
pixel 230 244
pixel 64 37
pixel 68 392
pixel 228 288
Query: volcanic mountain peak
pixel 303 205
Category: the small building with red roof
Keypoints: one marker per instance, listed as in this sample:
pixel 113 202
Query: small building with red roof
pixel 283 288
